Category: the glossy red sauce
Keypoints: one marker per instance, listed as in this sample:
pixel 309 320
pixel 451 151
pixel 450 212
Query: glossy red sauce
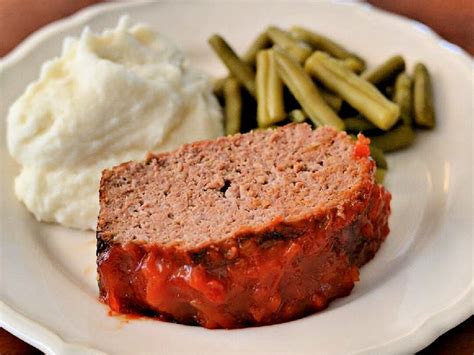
pixel 288 273
pixel 361 148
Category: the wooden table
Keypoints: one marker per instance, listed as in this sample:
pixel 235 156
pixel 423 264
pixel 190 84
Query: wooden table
pixel 454 20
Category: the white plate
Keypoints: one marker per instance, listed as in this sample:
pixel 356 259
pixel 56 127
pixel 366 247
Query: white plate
pixel 419 285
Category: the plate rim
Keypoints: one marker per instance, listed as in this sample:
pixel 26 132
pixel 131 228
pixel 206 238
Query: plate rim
pixel 48 341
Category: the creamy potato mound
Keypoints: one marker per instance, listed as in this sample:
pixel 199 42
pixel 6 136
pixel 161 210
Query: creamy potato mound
pixel 109 98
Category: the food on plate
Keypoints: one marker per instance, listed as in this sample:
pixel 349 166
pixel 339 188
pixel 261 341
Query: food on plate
pixel 291 46
pixel 380 175
pixel 297 116
pixel 334 101
pixel 378 156
pixel 108 98
pixel 269 85
pixel 250 229
pixel 353 65
pixel 319 42
pixel 242 71
pixel 359 93
pixel 358 124
pixel 306 93
pixel 233 109
pixel 403 98
pixel 423 97
pixel 385 71
pixel 384 102
pixel 262 41
pixel 398 138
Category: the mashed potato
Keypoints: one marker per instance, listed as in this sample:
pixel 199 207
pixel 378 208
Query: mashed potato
pixel 107 99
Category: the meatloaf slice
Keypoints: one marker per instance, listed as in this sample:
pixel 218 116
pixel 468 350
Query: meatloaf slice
pixel 252 229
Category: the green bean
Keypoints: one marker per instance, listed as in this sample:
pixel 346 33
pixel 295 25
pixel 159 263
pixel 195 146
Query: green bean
pixel 297 116
pixel 243 72
pixel 385 71
pixel 359 93
pixel 270 108
pixel 423 97
pixel 286 42
pixel 261 81
pixel 402 96
pixel 218 87
pixel 398 138
pixel 233 106
pixel 378 156
pixel 380 175
pixel 354 65
pixel 275 104
pixel 322 43
pixel 358 124
pixel 306 92
pixel 261 42
pixel 334 101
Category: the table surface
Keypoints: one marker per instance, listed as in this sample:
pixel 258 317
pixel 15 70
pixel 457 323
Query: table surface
pixel 453 20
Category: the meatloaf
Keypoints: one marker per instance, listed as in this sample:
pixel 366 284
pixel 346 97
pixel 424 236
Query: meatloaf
pixel 252 229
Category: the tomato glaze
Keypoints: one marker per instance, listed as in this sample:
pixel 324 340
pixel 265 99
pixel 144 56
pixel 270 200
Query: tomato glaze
pixel 361 148
pixel 284 272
